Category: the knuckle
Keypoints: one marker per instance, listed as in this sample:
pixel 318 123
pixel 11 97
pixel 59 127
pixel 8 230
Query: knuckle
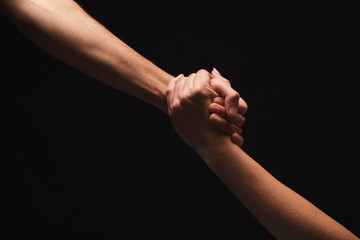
pixel 234 95
pixel 202 71
pixel 226 81
pixel 192 75
pixel 168 91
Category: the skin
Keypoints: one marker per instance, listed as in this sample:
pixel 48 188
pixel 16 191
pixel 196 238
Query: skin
pixel 65 31
pixel 220 109
pixel 283 212
pixel 68 33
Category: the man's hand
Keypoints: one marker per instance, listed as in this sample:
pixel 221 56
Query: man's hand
pixel 228 110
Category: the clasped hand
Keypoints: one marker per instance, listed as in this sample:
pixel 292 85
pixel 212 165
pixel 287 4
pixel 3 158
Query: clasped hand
pixel 204 109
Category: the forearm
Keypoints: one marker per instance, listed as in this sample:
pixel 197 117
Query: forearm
pixel 65 31
pixel 282 211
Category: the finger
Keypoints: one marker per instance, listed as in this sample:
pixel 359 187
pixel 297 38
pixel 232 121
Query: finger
pixel 238 120
pixel 242 104
pixel 218 109
pixel 231 96
pixel 237 139
pixel 216 74
pixel 202 77
pixel 224 125
pixel 202 83
pixel 243 107
pixel 219 100
pixel 170 91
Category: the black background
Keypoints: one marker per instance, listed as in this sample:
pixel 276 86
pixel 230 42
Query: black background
pixel 87 160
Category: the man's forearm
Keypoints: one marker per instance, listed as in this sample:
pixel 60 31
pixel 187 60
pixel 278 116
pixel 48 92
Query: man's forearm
pixel 65 31
pixel 282 211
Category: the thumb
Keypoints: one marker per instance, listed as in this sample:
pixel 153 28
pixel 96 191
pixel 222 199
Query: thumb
pixel 230 96
pixel 215 73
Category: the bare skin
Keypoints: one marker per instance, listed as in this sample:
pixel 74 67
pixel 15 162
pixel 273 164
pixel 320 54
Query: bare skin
pixel 283 212
pixel 65 31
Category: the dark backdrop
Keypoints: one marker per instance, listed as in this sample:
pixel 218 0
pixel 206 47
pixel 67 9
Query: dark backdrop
pixel 85 159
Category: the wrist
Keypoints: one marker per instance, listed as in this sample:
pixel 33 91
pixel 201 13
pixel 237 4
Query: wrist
pixel 160 83
pixel 162 101
pixel 215 149
pixel 221 155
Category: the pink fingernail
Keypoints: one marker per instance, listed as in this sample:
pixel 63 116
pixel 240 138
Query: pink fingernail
pixel 216 71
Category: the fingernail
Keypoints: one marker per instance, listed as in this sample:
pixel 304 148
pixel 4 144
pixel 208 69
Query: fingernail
pixel 216 71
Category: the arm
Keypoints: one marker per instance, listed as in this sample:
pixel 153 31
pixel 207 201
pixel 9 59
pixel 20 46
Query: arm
pixel 283 212
pixel 68 33
pixel 65 31
pixel 279 209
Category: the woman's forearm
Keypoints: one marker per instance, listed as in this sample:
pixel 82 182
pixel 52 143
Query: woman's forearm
pixel 279 209
pixel 65 31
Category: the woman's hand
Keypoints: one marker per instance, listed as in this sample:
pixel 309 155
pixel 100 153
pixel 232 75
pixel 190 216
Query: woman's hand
pixel 228 110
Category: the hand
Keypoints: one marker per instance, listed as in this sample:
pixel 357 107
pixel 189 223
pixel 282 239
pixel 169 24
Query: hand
pixel 227 112
pixel 188 100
